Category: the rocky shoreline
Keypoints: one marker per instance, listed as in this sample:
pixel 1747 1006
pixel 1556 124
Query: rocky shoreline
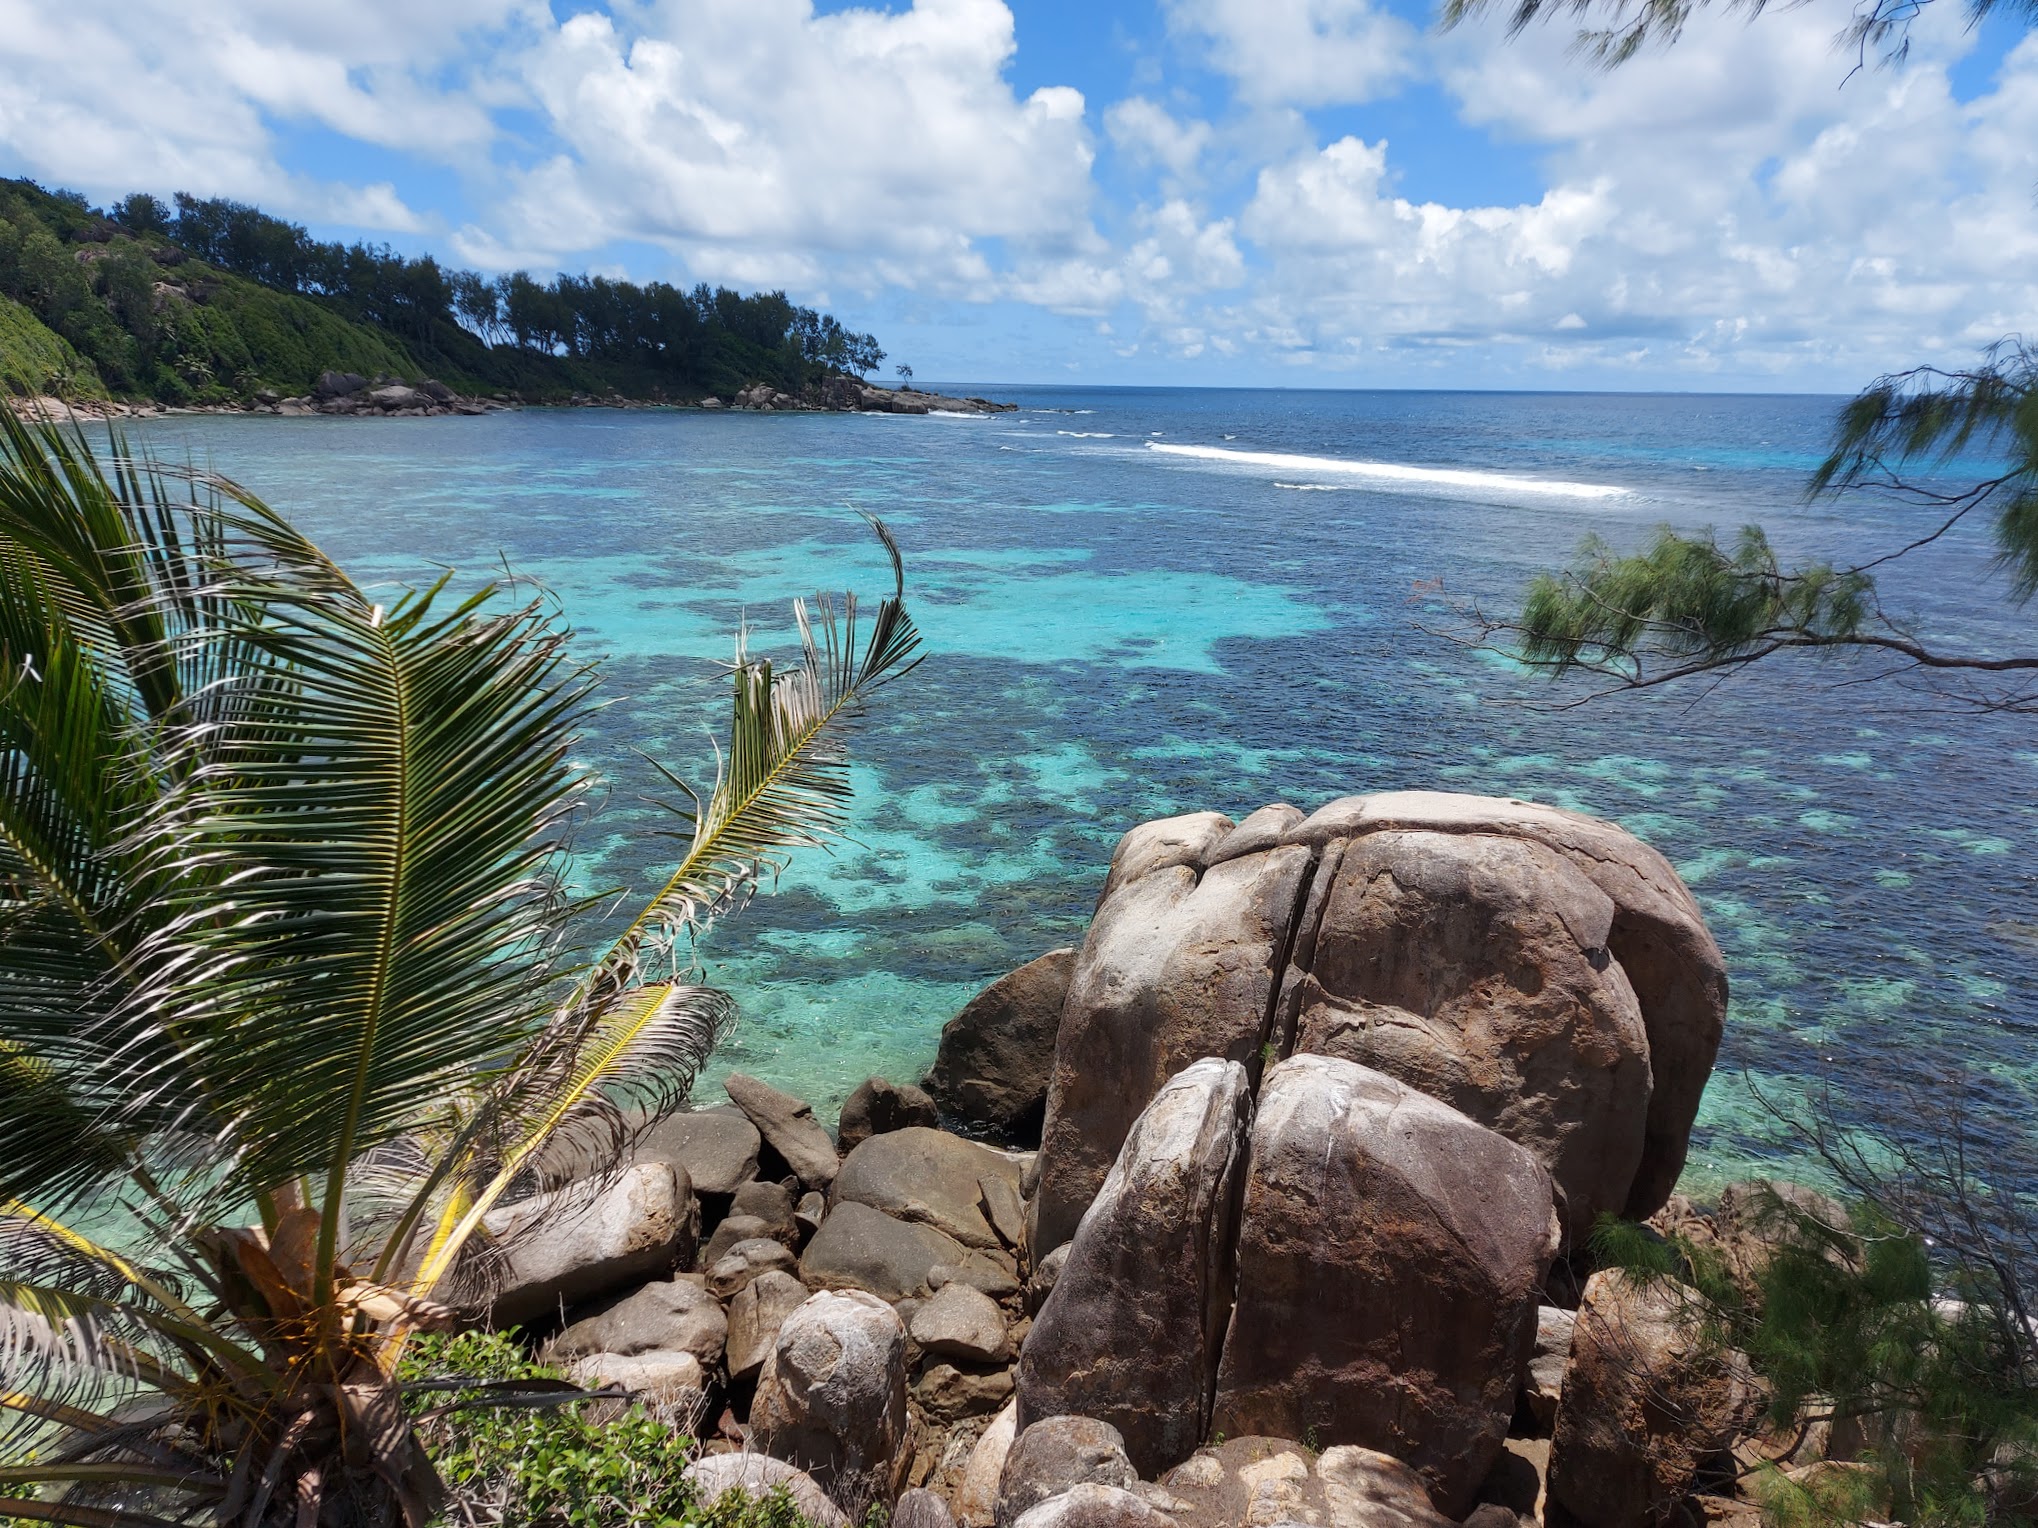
pixel 348 395
pixel 1265 1206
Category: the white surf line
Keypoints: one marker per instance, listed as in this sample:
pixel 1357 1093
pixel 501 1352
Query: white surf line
pixel 1390 472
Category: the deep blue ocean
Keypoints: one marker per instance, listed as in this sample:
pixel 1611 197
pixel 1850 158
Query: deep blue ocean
pixel 1142 602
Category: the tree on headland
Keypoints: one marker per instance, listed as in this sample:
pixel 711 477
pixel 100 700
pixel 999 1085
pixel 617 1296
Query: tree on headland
pixel 905 375
pixel 296 989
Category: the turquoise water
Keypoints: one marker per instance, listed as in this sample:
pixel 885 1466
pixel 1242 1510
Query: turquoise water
pixel 1120 632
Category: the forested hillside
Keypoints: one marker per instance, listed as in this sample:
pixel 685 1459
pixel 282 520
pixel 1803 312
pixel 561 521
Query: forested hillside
pixel 213 301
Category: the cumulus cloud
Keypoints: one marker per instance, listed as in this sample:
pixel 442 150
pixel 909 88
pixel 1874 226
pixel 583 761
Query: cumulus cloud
pixel 1149 134
pixel 1301 53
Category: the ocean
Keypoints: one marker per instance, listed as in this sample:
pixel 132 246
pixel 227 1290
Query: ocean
pixel 1139 602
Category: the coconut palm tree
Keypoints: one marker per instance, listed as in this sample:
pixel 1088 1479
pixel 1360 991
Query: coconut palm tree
pixel 293 992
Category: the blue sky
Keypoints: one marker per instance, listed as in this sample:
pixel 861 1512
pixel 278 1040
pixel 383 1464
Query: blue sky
pixel 1211 192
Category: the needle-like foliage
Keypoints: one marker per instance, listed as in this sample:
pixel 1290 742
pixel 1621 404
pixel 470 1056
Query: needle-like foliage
pixel 293 990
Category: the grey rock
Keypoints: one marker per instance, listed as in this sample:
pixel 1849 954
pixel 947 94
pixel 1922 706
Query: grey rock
pixel 858 1247
pixel 756 1312
pixel 997 1055
pixel 984 1277
pixel 1096 1506
pixel 963 1323
pixel 338 384
pixel 1543 1386
pixel 1045 1274
pixel 1407 1332
pixel 878 1107
pixel 832 1398
pixel 734 1229
pixel 678 1315
pixel 998 1197
pixel 1260 1481
pixel 1179 964
pixel 717 1147
pixel 951 1392
pixel 789 1125
pixel 927 1176
pixel 771 1203
pixel 757 1476
pixel 813 1209
pixel 396 397
pixel 976 1497
pixel 921 1509
pixel 744 1262
pixel 1130 1334
pixel 668 1379
pixel 567 1247
pixel 1056 1455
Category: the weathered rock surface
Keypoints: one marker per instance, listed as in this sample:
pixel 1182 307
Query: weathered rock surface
pixel 1179 964
pixel 997 1055
pixel 985 1277
pixel 858 1247
pixel 672 1379
pixel 964 1323
pixel 1046 1272
pixel 756 1312
pixel 1475 968
pixel 832 1398
pixel 951 1392
pixel 717 1147
pixel 976 1499
pixel 1096 1506
pixel 789 1125
pixel 1053 1456
pixel 734 1229
pixel 919 1508
pixel 677 1315
pixel 878 1107
pixel 1408 1331
pixel 1131 1331
pixel 744 1262
pixel 929 1177
pixel 1543 1386
pixel 567 1247
pixel 772 1204
pixel 1258 1482
pixel 757 1476
pixel 1645 1403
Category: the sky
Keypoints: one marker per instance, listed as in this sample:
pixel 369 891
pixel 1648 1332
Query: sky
pixel 1303 193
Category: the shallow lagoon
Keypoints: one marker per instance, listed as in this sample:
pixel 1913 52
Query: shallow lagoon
pixel 1119 632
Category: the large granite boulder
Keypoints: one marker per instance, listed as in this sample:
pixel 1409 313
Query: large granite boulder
pixel 757 1476
pixel 756 1312
pixel 567 1247
pixel 673 1380
pixel 1130 1333
pixel 996 1056
pixel 789 1126
pixel 717 1148
pixel 879 1106
pixel 928 1177
pixel 677 1315
pixel 1475 968
pixel 1390 1252
pixel 976 1498
pixel 1262 1481
pixel 858 1247
pixel 1646 1402
pixel 1096 1506
pixel 1056 1455
pixel 962 1323
pixel 1658 937
pixel 1181 962
pixel 832 1398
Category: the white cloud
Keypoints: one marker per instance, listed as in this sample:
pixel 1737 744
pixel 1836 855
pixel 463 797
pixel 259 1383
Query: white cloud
pixel 1148 134
pixel 1301 52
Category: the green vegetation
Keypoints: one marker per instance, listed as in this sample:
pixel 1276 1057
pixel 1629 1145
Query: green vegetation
pixel 215 300
pixel 296 990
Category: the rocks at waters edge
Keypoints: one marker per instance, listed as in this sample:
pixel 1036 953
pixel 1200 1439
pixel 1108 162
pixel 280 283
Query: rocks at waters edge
pixel 1056 1455
pixel 962 1323
pixel 1261 1481
pixel 677 1315
pixel 929 1177
pixel 567 1247
pixel 976 1500
pixel 788 1124
pixel 1180 964
pixel 1096 1506
pixel 996 1057
pixel 858 1247
pixel 717 1147
pixel 756 1475
pixel 878 1107
pixel 832 1398
pixel 1475 969
pixel 1130 1333
pixel 1645 1404
pixel 756 1312
pixel 1409 1331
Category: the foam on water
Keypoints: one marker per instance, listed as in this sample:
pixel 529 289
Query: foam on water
pixel 1395 473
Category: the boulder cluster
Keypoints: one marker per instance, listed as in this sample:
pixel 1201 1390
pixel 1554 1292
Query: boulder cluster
pixel 847 395
pixel 1267 1205
pixel 346 392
